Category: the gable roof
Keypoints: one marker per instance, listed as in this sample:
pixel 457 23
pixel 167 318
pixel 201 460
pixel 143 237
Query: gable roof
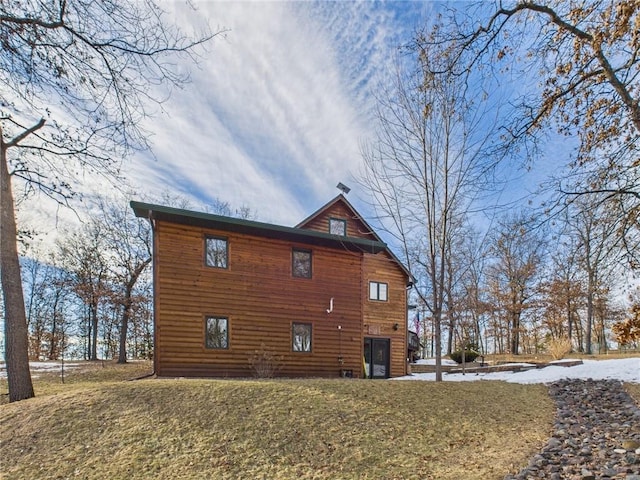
pixel 356 216
pixel 249 227
pixel 329 205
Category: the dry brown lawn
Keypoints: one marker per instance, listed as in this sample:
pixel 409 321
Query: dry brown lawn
pixel 97 426
pixel 634 391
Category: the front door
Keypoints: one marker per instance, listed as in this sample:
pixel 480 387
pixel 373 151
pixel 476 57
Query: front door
pixel 376 357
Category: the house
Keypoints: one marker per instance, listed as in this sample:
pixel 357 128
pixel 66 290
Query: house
pixel 326 298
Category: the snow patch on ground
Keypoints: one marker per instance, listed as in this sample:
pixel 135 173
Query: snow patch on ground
pixel 432 361
pixel 624 369
pixel 39 367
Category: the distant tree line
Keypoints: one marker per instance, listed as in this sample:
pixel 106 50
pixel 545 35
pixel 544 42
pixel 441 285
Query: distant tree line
pixel 525 285
pixel 90 296
pixel 479 92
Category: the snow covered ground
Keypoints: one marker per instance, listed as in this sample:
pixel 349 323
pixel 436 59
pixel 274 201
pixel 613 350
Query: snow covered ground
pixel 625 369
pixel 37 367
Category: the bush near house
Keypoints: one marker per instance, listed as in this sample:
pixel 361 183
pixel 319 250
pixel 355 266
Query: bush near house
pixel 559 347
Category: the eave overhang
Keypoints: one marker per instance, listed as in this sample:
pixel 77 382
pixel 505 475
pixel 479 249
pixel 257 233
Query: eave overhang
pixel 256 229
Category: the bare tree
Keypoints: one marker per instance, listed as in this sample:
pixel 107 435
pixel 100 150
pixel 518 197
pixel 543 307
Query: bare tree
pixel 579 65
pixel 561 299
pixel 83 256
pixel 518 253
pixel 460 324
pixel 424 170
pixel 562 291
pixel 128 243
pixel 472 302
pixel 47 299
pixel 76 79
pixel 597 250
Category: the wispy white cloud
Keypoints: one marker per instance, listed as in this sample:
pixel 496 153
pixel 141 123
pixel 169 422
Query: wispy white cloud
pixel 277 110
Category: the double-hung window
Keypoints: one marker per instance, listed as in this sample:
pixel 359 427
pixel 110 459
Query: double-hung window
pixel 378 291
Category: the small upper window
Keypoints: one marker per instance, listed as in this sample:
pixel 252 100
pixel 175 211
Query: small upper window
pixel 378 291
pixel 301 263
pixel 301 336
pixel 217 332
pixel 216 252
pixel 337 226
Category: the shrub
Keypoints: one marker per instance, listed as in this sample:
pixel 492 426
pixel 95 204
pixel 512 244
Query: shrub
pixel 264 363
pixel 559 347
pixel 469 356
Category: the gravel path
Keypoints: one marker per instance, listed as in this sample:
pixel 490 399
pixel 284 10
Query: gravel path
pixel 596 434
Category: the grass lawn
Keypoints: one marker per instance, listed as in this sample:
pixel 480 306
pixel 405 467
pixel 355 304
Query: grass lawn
pixel 97 426
pixel 634 391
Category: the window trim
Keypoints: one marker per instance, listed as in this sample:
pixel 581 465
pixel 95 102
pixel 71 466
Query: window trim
pixel 206 331
pixel 293 336
pixel 293 263
pixel 344 226
pixel 206 251
pixel 378 291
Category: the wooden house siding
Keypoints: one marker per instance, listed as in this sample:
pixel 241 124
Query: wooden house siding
pixel 386 319
pixel 253 293
pixel 339 210
pixel 260 298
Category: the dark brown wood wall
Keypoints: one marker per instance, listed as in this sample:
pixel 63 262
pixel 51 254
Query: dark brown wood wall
pixel 261 299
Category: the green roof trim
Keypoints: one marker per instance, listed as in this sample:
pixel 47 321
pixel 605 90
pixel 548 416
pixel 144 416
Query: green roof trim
pixel 258 229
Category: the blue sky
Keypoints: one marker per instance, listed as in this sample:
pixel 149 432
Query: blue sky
pixel 277 110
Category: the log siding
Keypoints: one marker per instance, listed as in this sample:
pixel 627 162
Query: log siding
pixel 261 298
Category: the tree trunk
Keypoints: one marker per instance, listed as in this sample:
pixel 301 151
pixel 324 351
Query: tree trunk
pixel 451 333
pixel 124 325
pixel 569 321
pixel 587 333
pixel 437 320
pixel 126 311
pixel 53 346
pixel 515 334
pixel 93 355
pixel 579 331
pixel 15 320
